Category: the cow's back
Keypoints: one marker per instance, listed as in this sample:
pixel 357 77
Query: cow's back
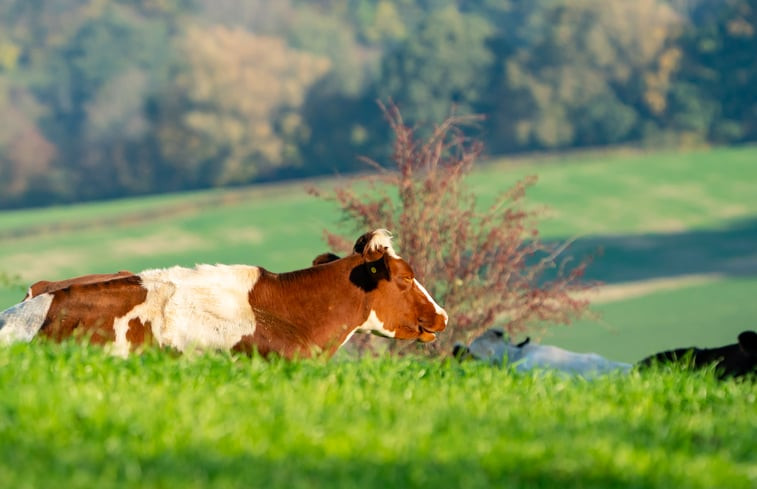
pixel 44 286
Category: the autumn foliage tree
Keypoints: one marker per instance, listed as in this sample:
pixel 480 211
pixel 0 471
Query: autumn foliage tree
pixel 486 266
pixel 241 115
pixel 25 154
pixel 583 75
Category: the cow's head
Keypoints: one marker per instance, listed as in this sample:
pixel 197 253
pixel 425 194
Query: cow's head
pixel 491 346
pixel 748 343
pixel 746 360
pixel 400 307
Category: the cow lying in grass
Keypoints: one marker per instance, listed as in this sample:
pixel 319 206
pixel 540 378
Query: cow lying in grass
pixel 734 360
pixel 493 346
pixel 236 307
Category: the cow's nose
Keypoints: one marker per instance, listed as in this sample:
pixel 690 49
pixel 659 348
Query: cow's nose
pixel 441 320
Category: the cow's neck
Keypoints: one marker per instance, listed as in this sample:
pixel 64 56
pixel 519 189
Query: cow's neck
pixel 307 312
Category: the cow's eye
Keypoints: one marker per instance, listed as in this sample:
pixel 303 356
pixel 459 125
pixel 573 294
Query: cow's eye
pixel 406 283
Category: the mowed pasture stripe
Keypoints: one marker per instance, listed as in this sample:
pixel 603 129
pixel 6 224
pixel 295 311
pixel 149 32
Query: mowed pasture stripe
pixel 187 207
pixel 627 193
pixel 604 294
pixel 87 216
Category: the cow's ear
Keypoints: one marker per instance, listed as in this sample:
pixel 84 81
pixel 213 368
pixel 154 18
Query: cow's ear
pixel 324 258
pixel 361 242
pixel 368 275
pixel 748 342
pixel 524 342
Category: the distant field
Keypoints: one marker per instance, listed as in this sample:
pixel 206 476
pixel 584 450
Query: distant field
pixel 279 227
pixel 635 193
pixel 653 216
pixel 705 315
pixel 74 417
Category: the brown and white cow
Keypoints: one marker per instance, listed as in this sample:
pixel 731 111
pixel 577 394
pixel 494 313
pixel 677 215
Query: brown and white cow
pixel 238 307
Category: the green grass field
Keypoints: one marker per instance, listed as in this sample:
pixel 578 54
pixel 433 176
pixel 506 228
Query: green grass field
pixel 678 241
pixel 75 417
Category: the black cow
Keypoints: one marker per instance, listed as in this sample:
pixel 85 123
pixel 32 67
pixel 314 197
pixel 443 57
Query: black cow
pixel 735 360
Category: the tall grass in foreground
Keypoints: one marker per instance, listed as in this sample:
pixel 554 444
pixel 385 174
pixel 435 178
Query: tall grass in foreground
pixel 72 416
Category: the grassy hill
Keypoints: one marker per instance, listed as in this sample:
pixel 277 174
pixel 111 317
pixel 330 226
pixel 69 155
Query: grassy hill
pixel 689 218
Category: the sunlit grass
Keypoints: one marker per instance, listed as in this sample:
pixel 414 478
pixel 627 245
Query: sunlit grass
pixel 72 417
pixel 610 193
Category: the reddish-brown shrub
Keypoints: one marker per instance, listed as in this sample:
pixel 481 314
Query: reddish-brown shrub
pixel 484 266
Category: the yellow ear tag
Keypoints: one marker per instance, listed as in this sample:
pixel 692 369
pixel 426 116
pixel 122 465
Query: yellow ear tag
pixel 373 269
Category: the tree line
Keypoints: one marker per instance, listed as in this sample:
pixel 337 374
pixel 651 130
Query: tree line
pixel 107 98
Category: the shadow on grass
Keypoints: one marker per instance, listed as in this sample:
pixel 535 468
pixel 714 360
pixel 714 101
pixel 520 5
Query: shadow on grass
pixel 191 467
pixel 730 251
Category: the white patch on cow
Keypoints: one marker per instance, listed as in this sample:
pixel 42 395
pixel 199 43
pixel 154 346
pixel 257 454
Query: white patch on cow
pixel 349 335
pixel 22 321
pixel 206 307
pixel 374 325
pixel 437 307
pixel 381 241
pixel 551 357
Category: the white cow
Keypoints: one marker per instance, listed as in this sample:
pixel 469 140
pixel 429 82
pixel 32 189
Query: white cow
pixel 493 346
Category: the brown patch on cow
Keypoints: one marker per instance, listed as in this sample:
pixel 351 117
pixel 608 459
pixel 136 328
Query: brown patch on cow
pixel 139 334
pixel 44 286
pixel 246 345
pixel 289 324
pixel 278 331
pixel 89 309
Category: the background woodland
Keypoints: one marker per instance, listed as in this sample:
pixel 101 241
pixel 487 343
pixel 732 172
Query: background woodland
pixel 109 98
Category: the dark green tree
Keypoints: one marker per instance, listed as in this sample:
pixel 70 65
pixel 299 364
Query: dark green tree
pixel 581 73
pixel 714 95
pixel 439 67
